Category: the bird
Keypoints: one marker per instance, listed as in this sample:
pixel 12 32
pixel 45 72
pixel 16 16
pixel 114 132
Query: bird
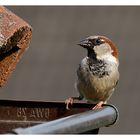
pixel 97 74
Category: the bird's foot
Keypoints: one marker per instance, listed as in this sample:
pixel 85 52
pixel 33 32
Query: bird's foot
pixel 98 105
pixel 69 101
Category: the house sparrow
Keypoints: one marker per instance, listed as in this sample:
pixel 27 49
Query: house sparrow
pixel 98 72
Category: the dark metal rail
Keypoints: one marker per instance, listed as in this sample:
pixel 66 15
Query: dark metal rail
pixel 16 114
pixel 75 124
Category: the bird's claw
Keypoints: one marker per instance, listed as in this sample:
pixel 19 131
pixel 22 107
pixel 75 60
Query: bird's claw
pixel 69 101
pixel 98 105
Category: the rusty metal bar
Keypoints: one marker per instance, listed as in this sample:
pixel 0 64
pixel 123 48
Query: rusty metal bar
pixel 15 35
pixel 23 114
pixel 14 114
pixel 75 124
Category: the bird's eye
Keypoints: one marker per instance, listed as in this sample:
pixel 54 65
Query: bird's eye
pixel 98 41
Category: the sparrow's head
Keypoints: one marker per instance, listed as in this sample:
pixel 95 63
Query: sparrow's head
pixel 99 47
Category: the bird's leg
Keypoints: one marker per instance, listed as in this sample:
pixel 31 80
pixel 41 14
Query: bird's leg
pixel 98 105
pixel 70 100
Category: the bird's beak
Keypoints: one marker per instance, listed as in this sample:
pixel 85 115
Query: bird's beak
pixel 85 43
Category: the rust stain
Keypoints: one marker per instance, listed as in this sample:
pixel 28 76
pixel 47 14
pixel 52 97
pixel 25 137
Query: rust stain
pixel 16 114
pixel 15 35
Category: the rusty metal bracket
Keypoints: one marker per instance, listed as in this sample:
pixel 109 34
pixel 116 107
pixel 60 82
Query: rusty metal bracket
pixel 40 115
pixel 14 114
pixel 15 35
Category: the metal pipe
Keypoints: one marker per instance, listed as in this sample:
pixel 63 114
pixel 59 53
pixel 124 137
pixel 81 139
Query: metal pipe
pixel 75 124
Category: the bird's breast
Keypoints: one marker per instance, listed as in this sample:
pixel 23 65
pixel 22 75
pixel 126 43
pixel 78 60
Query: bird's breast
pixel 93 87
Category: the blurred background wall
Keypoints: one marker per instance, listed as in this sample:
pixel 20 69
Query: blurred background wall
pixel 47 71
